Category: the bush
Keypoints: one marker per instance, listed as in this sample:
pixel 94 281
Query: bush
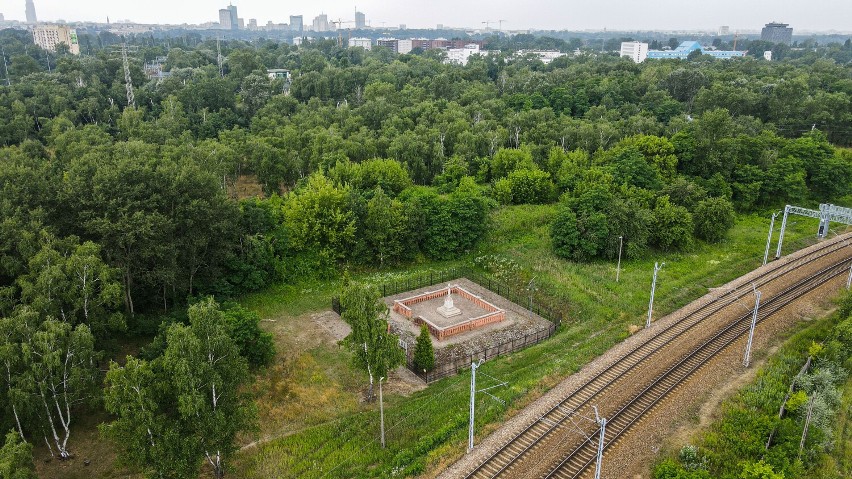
pixel 255 344
pixel 524 187
pixel 16 458
pixel 713 218
pixel 563 233
pixel 424 355
pixel 673 226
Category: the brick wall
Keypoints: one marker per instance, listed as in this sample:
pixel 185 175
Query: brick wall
pixel 494 314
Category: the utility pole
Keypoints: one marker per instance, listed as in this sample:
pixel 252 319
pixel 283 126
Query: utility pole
pixel 769 238
pixel 657 268
pixel 781 234
pixel 382 411
pixel 128 82
pixel 849 279
pixel 219 59
pixel 747 358
pixel 602 423
pixel 807 425
pixel 618 268
pixel 6 67
pixel 473 367
pixel 531 288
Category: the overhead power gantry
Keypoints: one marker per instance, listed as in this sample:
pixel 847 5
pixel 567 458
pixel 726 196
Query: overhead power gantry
pixel 826 214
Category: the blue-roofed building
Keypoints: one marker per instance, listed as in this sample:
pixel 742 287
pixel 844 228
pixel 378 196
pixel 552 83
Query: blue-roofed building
pixel 684 49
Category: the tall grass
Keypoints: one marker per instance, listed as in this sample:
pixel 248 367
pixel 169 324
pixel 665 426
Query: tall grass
pixel 429 428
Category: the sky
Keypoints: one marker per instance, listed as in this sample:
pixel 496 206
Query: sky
pixel 742 15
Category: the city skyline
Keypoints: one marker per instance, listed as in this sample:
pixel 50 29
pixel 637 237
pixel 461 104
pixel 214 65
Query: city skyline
pixel 822 15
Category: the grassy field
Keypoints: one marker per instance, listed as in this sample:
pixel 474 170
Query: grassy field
pixel 428 429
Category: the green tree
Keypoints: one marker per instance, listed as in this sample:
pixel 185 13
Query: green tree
pixel 60 375
pixel 385 228
pixel 375 350
pixel 70 281
pixel 524 186
pixel 673 226
pixel 713 218
pixel 319 220
pixel 186 406
pixel 424 354
pixel 508 160
pixel 564 234
pixel 758 470
pixel 16 458
pixel 255 344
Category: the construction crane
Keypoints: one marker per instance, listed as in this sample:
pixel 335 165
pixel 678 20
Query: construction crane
pixel 339 23
pixel 487 24
pixel 736 37
pixel 500 23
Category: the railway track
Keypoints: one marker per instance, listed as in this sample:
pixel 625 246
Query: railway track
pixel 532 437
pixel 578 460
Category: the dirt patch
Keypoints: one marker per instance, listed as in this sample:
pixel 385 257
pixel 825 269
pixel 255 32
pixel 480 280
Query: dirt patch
pixel 404 382
pixel 336 328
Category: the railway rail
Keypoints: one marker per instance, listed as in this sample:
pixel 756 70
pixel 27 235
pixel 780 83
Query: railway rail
pixel 531 438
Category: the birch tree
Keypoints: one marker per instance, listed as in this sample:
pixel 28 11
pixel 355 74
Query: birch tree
pixel 60 374
pixel 185 406
pixel 376 351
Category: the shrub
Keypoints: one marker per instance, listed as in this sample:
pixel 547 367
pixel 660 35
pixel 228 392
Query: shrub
pixel 524 186
pixel 713 218
pixel 255 344
pixel 672 226
pixel 424 355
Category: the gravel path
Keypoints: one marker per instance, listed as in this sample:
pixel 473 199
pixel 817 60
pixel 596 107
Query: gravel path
pixel 543 458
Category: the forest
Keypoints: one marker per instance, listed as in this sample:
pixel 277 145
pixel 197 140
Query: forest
pixel 124 223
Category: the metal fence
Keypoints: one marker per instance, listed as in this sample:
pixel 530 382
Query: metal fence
pixel 454 365
pixel 531 300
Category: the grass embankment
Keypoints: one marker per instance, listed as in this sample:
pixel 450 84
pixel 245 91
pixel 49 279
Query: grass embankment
pixel 737 441
pixel 429 428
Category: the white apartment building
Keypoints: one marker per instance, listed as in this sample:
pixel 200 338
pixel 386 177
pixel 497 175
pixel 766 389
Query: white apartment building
pixel 546 56
pixel 462 55
pixel 364 43
pixel 636 51
pixel 404 46
pixel 48 37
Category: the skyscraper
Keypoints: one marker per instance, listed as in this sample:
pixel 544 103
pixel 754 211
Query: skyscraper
pixel 297 23
pixel 321 23
pixel 225 19
pixel 777 33
pixel 31 14
pixel 360 20
pixel 228 19
pixel 235 20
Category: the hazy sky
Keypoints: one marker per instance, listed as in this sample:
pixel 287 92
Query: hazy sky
pixel 518 14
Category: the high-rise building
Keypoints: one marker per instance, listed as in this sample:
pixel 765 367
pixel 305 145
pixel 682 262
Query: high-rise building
pixel 31 14
pixel 724 30
pixel 225 19
pixel 235 20
pixel 636 51
pixel 321 23
pixel 360 20
pixel 49 37
pixel 296 23
pixel 252 25
pixel 2 18
pixel 777 33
